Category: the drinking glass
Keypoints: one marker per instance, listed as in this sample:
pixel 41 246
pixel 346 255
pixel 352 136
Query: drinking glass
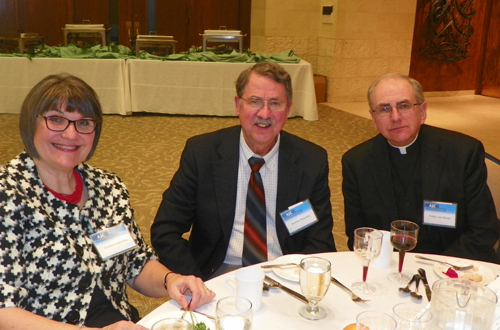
pixel 404 236
pixel 233 313
pixel 372 320
pixel 367 245
pixel 172 323
pixel 412 317
pixel 314 282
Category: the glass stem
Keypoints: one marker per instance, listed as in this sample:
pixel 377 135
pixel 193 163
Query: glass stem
pixel 401 259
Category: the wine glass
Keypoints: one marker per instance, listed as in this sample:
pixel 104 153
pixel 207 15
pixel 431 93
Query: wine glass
pixel 367 245
pixel 233 313
pixel 314 282
pixel 404 236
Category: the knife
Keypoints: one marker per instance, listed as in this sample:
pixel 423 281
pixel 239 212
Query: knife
pixel 428 292
pixel 276 284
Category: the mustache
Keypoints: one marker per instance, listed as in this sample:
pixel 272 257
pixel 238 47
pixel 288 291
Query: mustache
pixel 261 121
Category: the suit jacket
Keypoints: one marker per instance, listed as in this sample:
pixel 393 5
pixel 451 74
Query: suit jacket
pixel 452 170
pixel 202 195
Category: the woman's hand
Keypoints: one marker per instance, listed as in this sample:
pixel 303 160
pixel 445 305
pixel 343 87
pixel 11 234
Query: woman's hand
pixel 179 285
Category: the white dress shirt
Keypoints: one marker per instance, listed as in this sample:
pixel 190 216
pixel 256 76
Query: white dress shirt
pixel 269 174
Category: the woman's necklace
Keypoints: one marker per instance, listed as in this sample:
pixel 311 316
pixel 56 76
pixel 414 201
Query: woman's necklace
pixel 76 196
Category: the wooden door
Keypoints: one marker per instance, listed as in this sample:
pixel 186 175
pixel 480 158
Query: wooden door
pixel 44 17
pixel 185 20
pixel 489 80
pixel 132 21
pixel 93 11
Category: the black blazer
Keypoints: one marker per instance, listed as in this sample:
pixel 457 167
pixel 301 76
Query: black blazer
pixel 202 194
pixel 452 170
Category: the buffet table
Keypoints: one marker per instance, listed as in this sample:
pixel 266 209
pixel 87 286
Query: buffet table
pixel 206 88
pixel 169 87
pixel 108 77
pixel 280 310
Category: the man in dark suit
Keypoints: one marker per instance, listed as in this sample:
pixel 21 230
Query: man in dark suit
pixel 208 192
pixel 393 175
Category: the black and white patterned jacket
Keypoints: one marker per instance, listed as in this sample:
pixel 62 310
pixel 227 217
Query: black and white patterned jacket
pixel 48 265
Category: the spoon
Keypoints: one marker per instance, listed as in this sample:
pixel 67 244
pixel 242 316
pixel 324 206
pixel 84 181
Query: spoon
pixel 455 267
pixel 415 294
pixel 407 288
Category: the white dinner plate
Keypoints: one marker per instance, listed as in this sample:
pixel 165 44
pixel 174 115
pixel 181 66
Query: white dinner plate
pixel 485 272
pixel 199 318
pixel 288 273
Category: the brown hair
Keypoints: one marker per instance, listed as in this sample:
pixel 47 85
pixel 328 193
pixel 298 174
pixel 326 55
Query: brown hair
pixel 271 70
pixel 50 93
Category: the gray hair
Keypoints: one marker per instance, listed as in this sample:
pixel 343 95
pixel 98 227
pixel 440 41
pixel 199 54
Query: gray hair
pixel 418 92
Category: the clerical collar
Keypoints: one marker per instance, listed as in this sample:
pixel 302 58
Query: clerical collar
pixel 402 150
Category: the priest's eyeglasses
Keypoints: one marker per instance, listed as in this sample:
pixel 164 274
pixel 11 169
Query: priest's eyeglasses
pixel 384 110
pixel 60 124
pixel 257 103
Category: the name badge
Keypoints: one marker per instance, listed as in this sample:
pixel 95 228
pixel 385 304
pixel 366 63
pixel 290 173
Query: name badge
pixel 113 241
pixel 299 217
pixel 440 214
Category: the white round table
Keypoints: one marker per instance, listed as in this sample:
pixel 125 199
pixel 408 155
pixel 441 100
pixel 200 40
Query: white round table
pixel 280 310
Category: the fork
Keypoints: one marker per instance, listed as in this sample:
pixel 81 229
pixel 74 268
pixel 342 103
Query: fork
pixel 447 263
pixel 354 297
pixel 280 265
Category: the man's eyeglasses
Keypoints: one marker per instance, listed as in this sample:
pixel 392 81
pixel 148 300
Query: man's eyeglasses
pixel 256 103
pixel 386 109
pixel 60 124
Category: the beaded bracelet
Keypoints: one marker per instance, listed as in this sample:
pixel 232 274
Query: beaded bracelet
pixel 165 279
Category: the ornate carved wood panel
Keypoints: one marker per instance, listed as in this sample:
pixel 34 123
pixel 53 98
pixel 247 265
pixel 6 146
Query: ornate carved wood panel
pixel 447 43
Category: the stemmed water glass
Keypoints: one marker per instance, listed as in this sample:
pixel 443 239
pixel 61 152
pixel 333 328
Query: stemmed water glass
pixel 367 245
pixel 314 282
pixel 404 235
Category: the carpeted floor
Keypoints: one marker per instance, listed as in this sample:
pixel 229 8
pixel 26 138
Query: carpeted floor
pixel 144 151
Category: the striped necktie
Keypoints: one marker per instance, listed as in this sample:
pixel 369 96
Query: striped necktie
pixel 255 243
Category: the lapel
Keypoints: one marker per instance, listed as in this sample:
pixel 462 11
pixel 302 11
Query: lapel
pixel 289 182
pixel 432 162
pixel 380 169
pixel 225 171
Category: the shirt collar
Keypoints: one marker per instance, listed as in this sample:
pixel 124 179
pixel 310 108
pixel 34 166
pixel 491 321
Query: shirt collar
pixel 270 158
pixel 402 150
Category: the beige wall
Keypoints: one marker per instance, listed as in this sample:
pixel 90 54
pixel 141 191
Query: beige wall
pixel 367 39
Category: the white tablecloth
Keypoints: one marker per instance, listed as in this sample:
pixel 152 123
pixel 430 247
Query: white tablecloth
pixel 108 77
pixel 280 310
pixel 206 88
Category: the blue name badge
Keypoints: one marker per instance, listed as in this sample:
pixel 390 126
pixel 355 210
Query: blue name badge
pixel 113 241
pixel 440 214
pixel 299 216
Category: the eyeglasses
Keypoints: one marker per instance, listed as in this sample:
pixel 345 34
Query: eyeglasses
pixel 386 110
pixel 60 124
pixel 257 103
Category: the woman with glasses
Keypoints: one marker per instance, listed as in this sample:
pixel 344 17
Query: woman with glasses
pixel 68 240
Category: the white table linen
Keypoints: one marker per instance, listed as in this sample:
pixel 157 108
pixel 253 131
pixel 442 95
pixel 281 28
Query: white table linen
pixel 108 77
pixel 279 310
pixel 207 88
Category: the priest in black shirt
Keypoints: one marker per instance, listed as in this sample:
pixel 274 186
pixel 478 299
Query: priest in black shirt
pixel 410 168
